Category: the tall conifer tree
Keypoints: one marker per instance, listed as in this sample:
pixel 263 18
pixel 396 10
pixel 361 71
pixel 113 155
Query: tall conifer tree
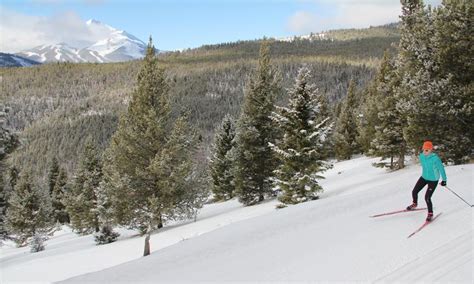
pixel 301 150
pixel 388 139
pixel 148 165
pixel 59 196
pixel 82 199
pixel 436 104
pixel 8 143
pixel 346 128
pixel 53 175
pixel 29 213
pixel 255 161
pixel 222 160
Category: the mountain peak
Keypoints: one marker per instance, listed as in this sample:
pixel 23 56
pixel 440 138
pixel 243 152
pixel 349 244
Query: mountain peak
pixel 113 45
pixel 93 21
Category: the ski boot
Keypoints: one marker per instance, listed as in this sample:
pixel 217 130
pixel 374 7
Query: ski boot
pixel 429 217
pixel 411 207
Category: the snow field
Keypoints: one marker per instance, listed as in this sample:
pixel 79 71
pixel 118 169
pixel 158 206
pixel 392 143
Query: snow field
pixel 330 239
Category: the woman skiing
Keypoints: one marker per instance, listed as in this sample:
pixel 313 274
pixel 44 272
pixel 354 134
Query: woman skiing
pixel 432 168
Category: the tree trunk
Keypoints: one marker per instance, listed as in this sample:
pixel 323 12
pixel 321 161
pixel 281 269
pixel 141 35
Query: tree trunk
pixel 146 251
pixel 160 223
pixel 401 160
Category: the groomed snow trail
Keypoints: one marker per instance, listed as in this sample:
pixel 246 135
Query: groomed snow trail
pixel 331 239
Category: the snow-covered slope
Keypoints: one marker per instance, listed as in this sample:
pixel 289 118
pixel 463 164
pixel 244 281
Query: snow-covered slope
pixel 112 45
pixel 60 52
pixel 331 239
pixel 11 60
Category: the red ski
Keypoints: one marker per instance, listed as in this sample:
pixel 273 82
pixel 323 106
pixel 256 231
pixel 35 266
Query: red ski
pixel 424 225
pixel 396 212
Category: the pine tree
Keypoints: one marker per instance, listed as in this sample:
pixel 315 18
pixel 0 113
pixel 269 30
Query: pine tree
pixel 388 139
pixel 301 150
pixel 105 215
pixel 436 105
pixel 53 175
pixel 8 143
pixel 37 242
pixel 81 202
pixel 58 197
pixel 173 168
pixel 346 130
pixel 148 167
pixel 221 163
pixel 369 119
pixel 453 37
pixel 325 115
pixel 29 213
pixel 255 161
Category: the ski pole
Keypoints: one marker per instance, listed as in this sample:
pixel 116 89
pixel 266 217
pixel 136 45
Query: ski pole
pixel 458 196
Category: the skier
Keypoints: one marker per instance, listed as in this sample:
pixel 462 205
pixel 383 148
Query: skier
pixel 432 168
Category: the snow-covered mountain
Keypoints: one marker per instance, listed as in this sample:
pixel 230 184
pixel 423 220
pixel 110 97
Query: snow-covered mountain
pixel 118 46
pixel 113 45
pixel 61 52
pixel 11 60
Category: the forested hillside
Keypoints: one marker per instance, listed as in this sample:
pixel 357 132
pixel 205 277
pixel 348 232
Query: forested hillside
pixel 56 107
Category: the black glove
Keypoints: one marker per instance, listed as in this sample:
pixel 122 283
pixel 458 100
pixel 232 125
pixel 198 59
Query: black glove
pixel 443 183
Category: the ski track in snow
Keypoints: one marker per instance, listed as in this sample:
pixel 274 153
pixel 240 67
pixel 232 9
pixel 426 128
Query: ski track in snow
pixel 433 266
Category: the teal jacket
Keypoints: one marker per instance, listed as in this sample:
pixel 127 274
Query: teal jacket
pixel 432 167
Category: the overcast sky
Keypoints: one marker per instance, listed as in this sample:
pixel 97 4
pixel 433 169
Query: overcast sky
pixel 184 23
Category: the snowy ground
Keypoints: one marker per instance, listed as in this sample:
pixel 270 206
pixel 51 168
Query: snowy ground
pixel 331 239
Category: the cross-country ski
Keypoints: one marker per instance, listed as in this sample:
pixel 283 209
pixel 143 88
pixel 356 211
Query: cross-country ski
pixel 424 225
pixel 397 212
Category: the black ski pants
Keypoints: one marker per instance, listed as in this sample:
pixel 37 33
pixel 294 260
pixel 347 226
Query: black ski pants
pixel 429 192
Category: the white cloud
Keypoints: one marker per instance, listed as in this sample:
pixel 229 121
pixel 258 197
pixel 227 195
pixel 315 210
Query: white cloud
pixel 347 14
pixel 19 31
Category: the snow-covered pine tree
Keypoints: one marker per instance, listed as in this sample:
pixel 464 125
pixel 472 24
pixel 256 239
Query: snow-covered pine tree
pixel 346 128
pixel 431 116
pixel 29 213
pixel 327 149
pixel 104 209
pixel 106 235
pixel 437 107
pixel 388 139
pixel 301 149
pixel 58 197
pixel 3 210
pixel 148 167
pixel 8 143
pixel 37 242
pixel 81 202
pixel 222 160
pixel 255 160
pixel 453 37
